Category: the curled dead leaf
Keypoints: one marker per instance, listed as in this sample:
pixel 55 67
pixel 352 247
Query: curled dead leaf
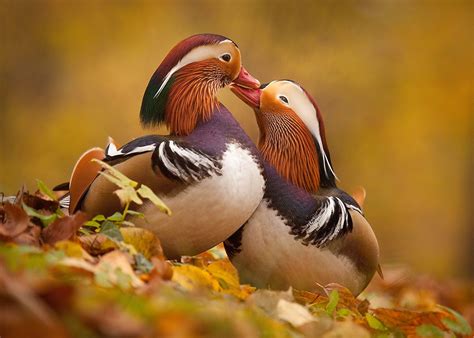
pixel 14 221
pixel 38 203
pixel 16 227
pixel 63 228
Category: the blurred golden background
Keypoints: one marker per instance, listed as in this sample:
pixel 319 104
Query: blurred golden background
pixel 393 79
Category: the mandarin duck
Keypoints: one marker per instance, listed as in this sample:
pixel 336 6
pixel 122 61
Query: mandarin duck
pixel 306 232
pixel 207 171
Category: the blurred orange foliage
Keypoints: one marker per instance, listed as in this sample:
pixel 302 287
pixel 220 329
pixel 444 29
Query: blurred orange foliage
pixel 393 79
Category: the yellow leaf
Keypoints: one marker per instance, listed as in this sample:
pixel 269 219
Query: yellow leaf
pixel 146 192
pixel 228 278
pixel 225 272
pixel 72 249
pixel 127 195
pixel 143 240
pixel 116 176
pixel 192 278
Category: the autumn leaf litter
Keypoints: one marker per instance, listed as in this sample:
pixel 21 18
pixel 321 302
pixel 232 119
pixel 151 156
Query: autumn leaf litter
pixel 67 275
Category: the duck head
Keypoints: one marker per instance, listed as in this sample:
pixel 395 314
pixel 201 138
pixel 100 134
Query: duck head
pixel 183 89
pixel 292 135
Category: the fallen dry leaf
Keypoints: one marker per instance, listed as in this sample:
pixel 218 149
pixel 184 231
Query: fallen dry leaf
pixel 39 203
pixel 13 221
pixel 16 227
pixel 143 240
pixel 407 321
pixel 193 278
pixel 63 228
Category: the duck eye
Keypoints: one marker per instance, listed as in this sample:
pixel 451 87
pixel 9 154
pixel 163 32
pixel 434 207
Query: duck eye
pixel 283 98
pixel 226 57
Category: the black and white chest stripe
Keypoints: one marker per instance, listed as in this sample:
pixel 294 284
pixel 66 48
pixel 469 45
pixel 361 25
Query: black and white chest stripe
pixel 184 163
pixel 330 221
pixel 172 158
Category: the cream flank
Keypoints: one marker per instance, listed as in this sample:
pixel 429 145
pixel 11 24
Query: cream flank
pixel 271 257
pixel 199 220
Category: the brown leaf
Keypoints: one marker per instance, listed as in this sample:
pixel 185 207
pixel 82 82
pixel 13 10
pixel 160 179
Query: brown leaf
pixel 38 203
pixel 162 271
pixel 63 228
pixel 407 321
pixel 97 244
pixel 30 236
pixel 161 268
pixel 306 297
pixel 14 221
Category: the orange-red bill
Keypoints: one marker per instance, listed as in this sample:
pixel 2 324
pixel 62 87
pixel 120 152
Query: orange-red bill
pixel 250 96
pixel 244 79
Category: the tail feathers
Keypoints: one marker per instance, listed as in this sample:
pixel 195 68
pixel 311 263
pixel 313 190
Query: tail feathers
pixel 62 187
pixel 84 173
pixel 65 201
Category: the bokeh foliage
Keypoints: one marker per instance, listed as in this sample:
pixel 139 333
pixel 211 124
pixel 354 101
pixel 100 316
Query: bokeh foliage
pixel 393 79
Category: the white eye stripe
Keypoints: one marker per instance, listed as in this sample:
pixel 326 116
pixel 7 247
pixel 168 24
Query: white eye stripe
pixel 195 55
pixel 304 108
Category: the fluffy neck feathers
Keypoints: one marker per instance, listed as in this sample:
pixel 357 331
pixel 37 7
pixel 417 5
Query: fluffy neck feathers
pixel 288 145
pixel 188 97
pixel 192 97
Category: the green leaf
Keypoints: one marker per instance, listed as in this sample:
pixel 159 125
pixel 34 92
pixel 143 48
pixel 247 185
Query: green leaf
pixel 99 218
pixel 45 190
pixel 45 219
pixel 344 312
pixel 333 300
pixel 127 195
pixel 115 176
pixel 458 325
pixel 429 330
pixel 147 193
pixel 135 213
pixel 92 224
pixel 116 217
pixel 84 231
pixel 374 323
pixel 112 231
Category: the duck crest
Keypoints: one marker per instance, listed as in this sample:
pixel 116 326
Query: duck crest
pixel 153 111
